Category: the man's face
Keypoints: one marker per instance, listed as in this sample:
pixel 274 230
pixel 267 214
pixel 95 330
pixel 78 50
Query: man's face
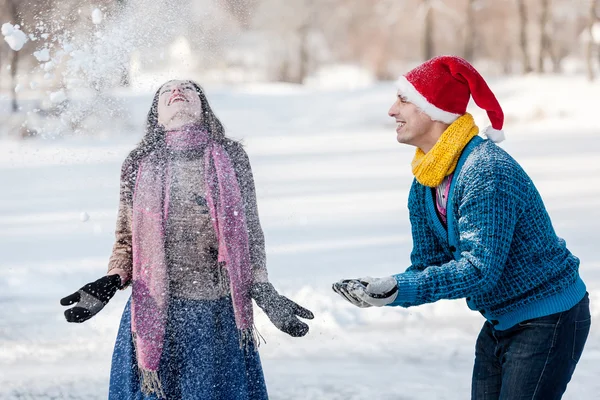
pixel 413 125
pixel 178 101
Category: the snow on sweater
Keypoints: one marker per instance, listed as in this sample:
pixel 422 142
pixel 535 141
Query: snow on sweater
pixel 190 242
pixel 500 251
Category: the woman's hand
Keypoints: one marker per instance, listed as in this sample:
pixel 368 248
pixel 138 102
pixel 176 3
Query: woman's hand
pixel 282 311
pixel 91 298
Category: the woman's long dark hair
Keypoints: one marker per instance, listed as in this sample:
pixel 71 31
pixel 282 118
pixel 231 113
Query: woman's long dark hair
pixel 154 138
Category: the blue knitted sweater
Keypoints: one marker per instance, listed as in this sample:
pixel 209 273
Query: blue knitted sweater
pixel 499 250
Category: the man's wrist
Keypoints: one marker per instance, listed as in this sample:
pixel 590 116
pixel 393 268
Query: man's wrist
pixel 407 289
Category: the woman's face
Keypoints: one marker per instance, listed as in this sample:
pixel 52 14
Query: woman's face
pixel 178 105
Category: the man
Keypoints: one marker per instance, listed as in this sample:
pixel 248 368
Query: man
pixel 481 232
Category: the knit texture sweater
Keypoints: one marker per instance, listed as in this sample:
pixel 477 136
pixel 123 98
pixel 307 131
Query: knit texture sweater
pixel 499 250
pixel 190 240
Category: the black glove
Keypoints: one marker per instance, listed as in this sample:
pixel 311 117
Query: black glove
pixel 91 298
pixel 282 311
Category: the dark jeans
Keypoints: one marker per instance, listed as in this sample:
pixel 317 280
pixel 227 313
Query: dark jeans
pixel 533 360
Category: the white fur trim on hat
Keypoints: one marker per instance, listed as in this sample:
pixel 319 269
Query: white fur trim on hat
pixel 495 135
pixel 406 89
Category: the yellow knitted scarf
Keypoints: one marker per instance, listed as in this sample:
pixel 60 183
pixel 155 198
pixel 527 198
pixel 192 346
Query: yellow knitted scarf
pixel 430 169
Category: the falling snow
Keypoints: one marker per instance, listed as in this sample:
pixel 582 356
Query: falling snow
pixel 14 36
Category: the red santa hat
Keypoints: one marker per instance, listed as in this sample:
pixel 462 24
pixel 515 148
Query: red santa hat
pixel 441 88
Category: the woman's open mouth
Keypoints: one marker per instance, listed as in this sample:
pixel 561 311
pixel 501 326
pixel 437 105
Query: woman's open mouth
pixel 176 99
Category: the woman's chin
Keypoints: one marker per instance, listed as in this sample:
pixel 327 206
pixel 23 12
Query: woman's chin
pixel 180 121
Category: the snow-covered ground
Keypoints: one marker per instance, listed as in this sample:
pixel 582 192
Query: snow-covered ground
pixel 332 187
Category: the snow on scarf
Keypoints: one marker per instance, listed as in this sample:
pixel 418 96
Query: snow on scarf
pixel 150 211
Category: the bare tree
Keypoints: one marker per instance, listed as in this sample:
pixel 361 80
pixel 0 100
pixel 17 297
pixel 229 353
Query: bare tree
pixel 293 27
pixel 14 66
pixel 596 18
pixel 26 14
pixel 593 18
pixel 303 51
pixel 428 45
pixel 445 21
pixel 369 35
pixel 523 36
pixel 241 10
pixel 1 59
pixel 469 50
pixel 545 41
pixel 12 10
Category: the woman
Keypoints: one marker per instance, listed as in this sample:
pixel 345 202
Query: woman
pixel 189 241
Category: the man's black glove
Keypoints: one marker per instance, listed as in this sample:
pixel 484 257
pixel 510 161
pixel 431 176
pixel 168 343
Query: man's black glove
pixel 91 298
pixel 282 311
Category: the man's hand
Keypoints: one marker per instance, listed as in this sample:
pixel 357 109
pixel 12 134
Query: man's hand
pixel 91 298
pixel 345 288
pixel 367 292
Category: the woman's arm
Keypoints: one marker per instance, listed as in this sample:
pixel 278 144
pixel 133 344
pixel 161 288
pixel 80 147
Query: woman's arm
pixel 121 260
pixel 283 312
pixel 256 237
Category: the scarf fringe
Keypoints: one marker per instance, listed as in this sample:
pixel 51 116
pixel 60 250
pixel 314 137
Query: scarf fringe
pixel 149 380
pixel 246 337
pixel 222 276
pixel 150 383
pixel 250 336
pixel 258 337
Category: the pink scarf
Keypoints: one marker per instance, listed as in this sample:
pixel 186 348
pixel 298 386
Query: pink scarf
pixel 150 212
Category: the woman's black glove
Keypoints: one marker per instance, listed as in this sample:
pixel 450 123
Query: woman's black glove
pixel 91 298
pixel 282 311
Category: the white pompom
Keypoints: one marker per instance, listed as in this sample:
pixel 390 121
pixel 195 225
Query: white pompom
pixel 495 135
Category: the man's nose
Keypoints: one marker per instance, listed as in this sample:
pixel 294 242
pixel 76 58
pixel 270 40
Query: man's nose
pixel 392 111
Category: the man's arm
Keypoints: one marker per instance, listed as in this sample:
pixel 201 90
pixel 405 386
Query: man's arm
pixel 487 216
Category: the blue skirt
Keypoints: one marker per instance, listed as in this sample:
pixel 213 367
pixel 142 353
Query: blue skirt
pixel 201 359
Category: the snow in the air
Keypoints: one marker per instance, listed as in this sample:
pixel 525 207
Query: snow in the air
pixel 97 16
pixel 84 216
pixel 332 186
pixel 42 55
pixel 58 96
pixel 14 36
pixel 7 29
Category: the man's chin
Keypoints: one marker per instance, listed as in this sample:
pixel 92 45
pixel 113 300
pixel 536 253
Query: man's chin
pixel 402 139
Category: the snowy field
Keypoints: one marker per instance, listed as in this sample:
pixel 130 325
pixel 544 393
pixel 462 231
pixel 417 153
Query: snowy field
pixel 332 188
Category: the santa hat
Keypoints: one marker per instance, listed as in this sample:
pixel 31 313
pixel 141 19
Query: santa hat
pixel 441 88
